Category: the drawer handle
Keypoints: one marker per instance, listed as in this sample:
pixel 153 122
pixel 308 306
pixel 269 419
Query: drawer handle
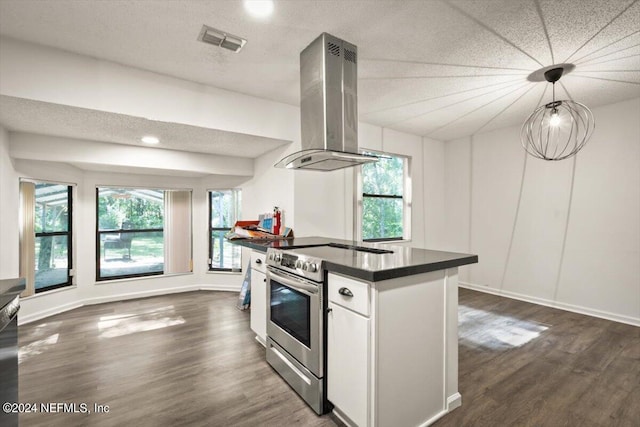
pixel 345 291
pixel 258 261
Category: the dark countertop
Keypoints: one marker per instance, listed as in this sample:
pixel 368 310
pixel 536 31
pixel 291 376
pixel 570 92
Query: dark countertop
pixel 404 261
pixel 9 289
pixel 263 245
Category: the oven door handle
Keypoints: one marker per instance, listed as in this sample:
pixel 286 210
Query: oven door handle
pixel 295 284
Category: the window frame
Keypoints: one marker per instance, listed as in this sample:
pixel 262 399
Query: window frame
pixel 237 192
pixel 406 197
pixel 121 230
pixel 68 233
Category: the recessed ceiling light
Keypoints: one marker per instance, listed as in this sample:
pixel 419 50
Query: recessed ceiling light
pixel 148 139
pixel 259 8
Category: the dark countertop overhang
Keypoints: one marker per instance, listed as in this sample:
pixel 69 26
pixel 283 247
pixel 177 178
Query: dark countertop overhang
pixel 404 261
pixel 9 289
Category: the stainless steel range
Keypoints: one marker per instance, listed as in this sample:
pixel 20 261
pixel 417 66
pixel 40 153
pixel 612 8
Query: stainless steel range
pixel 296 323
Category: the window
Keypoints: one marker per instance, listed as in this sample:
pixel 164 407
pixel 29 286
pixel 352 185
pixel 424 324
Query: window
pixel 142 232
pixel 384 199
pixel 224 211
pixel 46 259
pixel 130 235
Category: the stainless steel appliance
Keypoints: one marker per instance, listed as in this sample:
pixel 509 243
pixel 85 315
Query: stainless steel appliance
pixel 295 323
pixel 328 107
pixel 9 307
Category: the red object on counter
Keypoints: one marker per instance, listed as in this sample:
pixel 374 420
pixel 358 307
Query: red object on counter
pixel 276 228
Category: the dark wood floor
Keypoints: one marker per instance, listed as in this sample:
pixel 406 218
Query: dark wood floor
pixel 191 359
pixel 527 365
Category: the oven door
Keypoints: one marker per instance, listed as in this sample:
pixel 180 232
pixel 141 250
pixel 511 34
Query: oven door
pixel 294 317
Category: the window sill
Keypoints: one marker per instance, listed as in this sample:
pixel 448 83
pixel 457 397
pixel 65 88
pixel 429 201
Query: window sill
pixel 392 242
pixel 386 241
pixel 132 279
pixel 233 273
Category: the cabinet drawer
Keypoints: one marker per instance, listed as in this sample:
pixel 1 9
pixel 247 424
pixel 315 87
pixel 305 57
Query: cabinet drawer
pixel 339 289
pixel 258 261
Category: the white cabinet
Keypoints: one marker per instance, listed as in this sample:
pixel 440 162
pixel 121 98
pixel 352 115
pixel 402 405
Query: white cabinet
pixel 259 296
pixel 348 362
pixel 392 349
pixel 348 348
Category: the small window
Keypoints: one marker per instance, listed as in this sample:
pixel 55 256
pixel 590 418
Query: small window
pixel 384 202
pixel 224 211
pixel 46 235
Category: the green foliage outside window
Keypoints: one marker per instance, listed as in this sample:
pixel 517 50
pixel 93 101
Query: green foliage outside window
pixel 52 210
pixel 52 226
pixel 139 251
pixel 382 201
pixel 225 211
pixel 140 209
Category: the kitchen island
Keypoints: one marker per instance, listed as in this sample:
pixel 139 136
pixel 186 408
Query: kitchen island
pixel 391 328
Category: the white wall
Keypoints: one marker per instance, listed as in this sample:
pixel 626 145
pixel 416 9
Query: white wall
pixel 324 200
pixel 433 207
pixel 9 219
pixel 543 234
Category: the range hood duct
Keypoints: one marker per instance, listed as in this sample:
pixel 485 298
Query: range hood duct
pixel 329 107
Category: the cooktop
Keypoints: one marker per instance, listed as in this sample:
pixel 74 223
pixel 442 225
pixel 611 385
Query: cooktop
pixel 341 246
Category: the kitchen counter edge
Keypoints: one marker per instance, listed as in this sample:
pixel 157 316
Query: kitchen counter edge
pixel 372 275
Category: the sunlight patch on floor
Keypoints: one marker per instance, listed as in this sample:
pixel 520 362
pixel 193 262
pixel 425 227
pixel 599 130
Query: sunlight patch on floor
pixel 125 324
pixel 490 330
pixel 37 347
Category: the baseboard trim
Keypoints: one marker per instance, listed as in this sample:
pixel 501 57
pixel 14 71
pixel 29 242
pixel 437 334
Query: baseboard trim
pixel 435 418
pixel 23 320
pixel 140 294
pixel 227 288
pixel 454 401
pixel 554 304
pixel 261 341
pixel 342 417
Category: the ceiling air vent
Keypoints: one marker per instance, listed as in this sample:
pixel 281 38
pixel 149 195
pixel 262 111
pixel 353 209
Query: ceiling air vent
pixel 220 38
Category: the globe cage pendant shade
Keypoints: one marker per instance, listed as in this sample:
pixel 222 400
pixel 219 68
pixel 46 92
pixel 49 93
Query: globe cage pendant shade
pixel 559 129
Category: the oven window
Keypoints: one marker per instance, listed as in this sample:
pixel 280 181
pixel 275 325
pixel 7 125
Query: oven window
pixel 290 310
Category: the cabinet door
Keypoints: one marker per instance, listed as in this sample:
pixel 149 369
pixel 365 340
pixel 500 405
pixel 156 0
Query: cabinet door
pixel 259 304
pixel 348 363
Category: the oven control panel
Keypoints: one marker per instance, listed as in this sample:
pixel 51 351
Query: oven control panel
pixel 296 263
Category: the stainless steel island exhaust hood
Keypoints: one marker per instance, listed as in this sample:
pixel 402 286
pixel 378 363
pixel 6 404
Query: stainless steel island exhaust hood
pixel 329 107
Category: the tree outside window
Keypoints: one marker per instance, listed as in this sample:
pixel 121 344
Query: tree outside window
pixel 52 226
pixel 383 199
pixel 224 209
pixel 130 235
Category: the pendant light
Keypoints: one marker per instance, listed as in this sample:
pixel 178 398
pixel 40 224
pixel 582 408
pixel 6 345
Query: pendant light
pixel 559 129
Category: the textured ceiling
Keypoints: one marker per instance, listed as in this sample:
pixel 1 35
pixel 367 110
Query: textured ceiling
pixel 444 69
pixel 18 114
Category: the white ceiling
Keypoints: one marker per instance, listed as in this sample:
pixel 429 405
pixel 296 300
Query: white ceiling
pixel 435 68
